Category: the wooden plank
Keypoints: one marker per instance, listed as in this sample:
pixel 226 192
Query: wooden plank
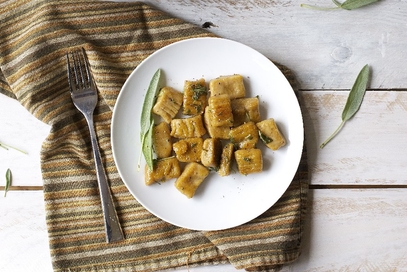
pixel 346 230
pixel 23 234
pixel 370 149
pixel 355 230
pixel 22 130
pixel 325 49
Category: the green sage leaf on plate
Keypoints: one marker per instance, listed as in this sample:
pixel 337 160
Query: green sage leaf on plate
pixel 8 182
pixel 149 99
pixel 147 147
pixel 354 100
pixel 147 121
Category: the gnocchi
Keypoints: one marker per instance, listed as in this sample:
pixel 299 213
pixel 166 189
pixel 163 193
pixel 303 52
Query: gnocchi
pixel 220 126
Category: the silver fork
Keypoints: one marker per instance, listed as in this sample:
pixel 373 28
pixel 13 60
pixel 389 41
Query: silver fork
pixel 85 97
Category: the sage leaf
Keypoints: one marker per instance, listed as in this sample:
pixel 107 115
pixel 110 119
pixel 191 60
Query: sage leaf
pixel 147 147
pixel 356 94
pixel 354 4
pixel 348 5
pixel 264 138
pixel 8 182
pixel 354 100
pixel 149 99
pixel 147 121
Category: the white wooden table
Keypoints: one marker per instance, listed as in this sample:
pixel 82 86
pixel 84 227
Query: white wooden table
pixel 357 219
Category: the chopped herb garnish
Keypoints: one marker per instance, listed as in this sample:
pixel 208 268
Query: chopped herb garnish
pixel 193 145
pixel 198 107
pixel 264 138
pixel 198 90
pixel 247 114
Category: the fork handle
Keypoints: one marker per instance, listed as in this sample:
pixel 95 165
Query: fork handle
pixel 112 226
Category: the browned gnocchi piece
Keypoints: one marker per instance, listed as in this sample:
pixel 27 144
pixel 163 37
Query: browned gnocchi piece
pixel 215 132
pixel 162 142
pixel 188 150
pixel 249 161
pixel 270 134
pixel 188 127
pixel 245 110
pixel 191 178
pixel 226 160
pixel 232 85
pixel 168 103
pixel 211 153
pixel 164 169
pixel 195 97
pixel 244 136
pixel 220 111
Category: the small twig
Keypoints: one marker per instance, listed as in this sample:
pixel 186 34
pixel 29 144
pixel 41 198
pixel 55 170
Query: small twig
pixel 318 8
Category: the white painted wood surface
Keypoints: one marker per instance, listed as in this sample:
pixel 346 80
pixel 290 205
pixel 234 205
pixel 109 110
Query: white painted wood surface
pixel 370 149
pixel 347 229
pixel 324 48
pixel 21 130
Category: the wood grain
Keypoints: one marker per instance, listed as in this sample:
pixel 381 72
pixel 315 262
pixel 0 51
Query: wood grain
pixel 355 230
pixel 21 130
pixel 325 49
pixel 370 149
pixel 23 233
pixel 346 230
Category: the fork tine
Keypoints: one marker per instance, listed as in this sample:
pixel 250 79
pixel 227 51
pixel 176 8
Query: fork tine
pixel 89 77
pixel 78 70
pixel 71 77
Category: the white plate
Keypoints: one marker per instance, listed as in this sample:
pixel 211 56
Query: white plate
pixel 220 202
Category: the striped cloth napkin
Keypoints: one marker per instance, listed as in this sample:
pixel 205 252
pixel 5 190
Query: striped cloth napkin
pixel 34 38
